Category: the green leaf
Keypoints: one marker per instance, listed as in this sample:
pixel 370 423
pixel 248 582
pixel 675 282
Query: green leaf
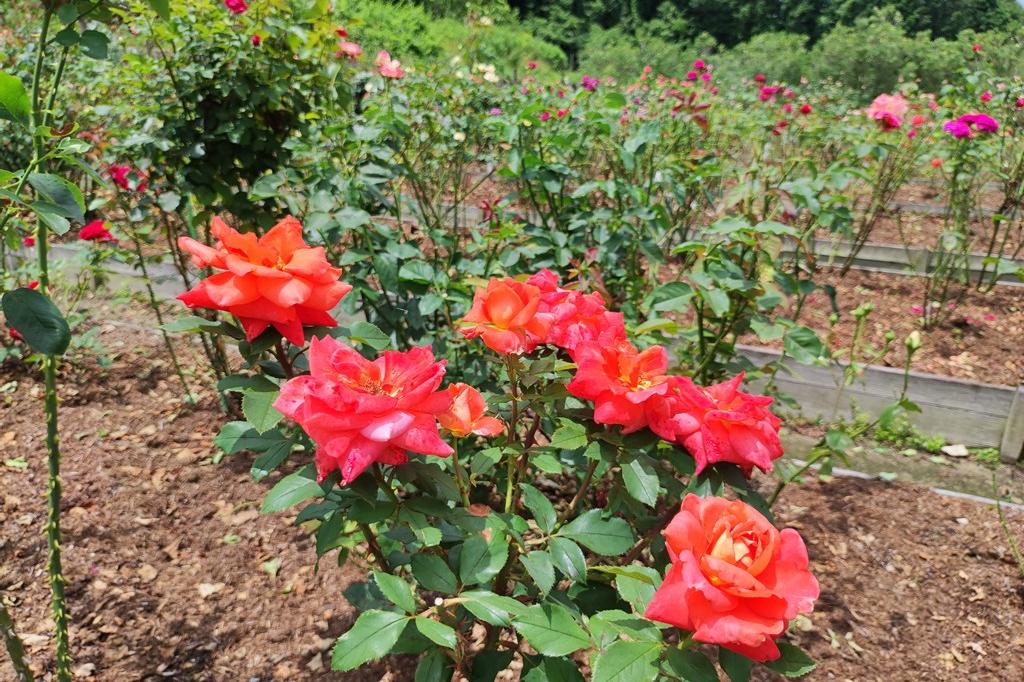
pixel 396 590
pixel 162 8
pixel 638 590
pixel 372 636
pixel 487 665
pixel 416 271
pixel 793 662
pixel 691 665
pixel 569 435
pixel 168 201
pixel 538 564
pixel 237 436
pixel 551 629
pixel 292 489
pixel 437 632
pixel 94 44
pixel 428 303
pixel 608 537
pixel 258 408
pixel 370 335
pixel 61 193
pixel 554 670
pixel 51 216
pixel 492 608
pixel 14 101
pixel 633 661
pixel 641 480
pixel 433 573
pixel 270 459
pixel 434 666
pixel 803 345
pixel 569 559
pixel 838 440
pixel 539 505
pixel 481 560
pixel 735 666
pixel 37 319
pixel 717 300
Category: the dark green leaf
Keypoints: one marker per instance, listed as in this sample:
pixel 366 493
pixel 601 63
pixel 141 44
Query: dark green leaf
pixel 608 537
pixel 370 335
pixel 258 408
pixel 37 319
pixel 94 44
pixel 539 505
pixel 434 666
pixel 162 8
pixel 372 636
pixel 481 560
pixel 491 608
pixel 793 662
pixel 437 632
pixel 633 661
pixel 433 573
pixel 551 629
pixel 569 435
pixel 554 670
pixel 292 489
pixel 60 193
pixel 641 480
pixel 538 564
pixel 735 666
pixel 691 665
pixel 569 559
pixel 803 345
pixel 396 590
pixel 487 665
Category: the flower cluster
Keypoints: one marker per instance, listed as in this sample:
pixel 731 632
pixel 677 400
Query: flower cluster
pixel 969 124
pixel 629 388
pixel 735 580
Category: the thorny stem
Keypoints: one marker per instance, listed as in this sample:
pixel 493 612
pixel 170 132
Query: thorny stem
pixel 15 649
pixel 282 357
pixel 375 550
pixel 584 486
pixel 513 431
pixel 457 468
pixel 54 569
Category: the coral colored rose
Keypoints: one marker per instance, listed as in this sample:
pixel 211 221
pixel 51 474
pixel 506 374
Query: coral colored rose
pixel 576 318
pixel 918 120
pixel 888 110
pixel 936 163
pixel 389 68
pixel 506 316
pixel 361 411
pixel 466 414
pixel 721 423
pixel 96 231
pixel 274 280
pixel 348 49
pixel 735 579
pixel 236 6
pixel 626 386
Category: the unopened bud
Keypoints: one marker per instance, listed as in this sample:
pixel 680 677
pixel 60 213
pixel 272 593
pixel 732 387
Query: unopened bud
pixel 913 341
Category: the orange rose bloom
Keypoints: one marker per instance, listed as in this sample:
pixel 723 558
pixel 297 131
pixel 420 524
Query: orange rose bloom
pixel 735 579
pixel 505 316
pixel 274 280
pixel 466 414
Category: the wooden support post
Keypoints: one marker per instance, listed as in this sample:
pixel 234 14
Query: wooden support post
pixel 1011 449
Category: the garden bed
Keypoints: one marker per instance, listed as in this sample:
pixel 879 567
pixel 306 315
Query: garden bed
pixel 980 340
pixel 173 573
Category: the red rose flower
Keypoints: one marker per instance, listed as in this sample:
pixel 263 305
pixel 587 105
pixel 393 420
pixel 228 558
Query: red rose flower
pixel 626 386
pixel 96 231
pixel 735 579
pixel 274 280
pixel 361 411
pixel 721 423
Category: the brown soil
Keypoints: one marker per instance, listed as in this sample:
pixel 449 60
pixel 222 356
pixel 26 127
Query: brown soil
pixel 981 338
pixel 914 586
